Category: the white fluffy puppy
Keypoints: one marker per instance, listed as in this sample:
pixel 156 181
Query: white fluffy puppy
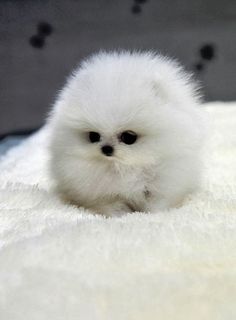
pixel 127 131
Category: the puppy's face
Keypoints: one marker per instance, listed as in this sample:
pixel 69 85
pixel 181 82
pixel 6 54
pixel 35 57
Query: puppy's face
pixel 126 146
pixel 116 126
pixel 115 112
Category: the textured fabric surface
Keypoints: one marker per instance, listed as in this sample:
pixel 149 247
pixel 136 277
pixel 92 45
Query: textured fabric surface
pixel 61 262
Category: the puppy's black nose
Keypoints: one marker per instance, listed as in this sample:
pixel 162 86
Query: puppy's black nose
pixel 107 150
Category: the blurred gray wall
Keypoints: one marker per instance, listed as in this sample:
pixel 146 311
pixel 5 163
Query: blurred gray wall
pixel 34 66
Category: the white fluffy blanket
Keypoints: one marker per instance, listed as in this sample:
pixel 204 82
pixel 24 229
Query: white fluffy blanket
pixel 60 262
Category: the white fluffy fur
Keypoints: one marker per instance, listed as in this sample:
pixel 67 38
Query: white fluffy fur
pixel 114 92
pixel 59 262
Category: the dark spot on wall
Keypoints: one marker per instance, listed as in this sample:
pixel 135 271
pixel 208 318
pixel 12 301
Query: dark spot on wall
pixel 37 41
pixel 199 66
pixel 136 9
pixel 44 28
pixel 207 52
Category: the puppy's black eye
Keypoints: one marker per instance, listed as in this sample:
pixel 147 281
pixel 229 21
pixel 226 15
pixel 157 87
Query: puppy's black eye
pixel 128 137
pixel 94 136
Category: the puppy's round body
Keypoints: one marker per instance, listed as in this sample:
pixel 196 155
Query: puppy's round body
pixel 127 132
